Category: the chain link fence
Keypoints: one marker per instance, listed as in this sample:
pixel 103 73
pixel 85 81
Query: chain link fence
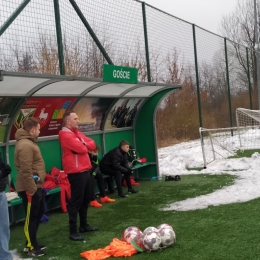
pixel 77 37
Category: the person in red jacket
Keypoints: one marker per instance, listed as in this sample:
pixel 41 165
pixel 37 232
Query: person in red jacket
pixel 76 163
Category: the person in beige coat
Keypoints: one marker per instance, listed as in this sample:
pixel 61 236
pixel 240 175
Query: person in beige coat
pixel 30 177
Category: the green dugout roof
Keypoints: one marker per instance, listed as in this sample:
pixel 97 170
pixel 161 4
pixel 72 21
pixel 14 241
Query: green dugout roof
pixel 14 84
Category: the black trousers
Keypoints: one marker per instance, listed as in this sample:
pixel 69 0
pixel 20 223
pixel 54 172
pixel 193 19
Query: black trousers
pixel 80 185
pixel 118 177
pixel 100 184
pixel 34 208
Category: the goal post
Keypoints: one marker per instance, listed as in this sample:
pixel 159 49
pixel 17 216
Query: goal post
pixel 218 143
pixel 221 143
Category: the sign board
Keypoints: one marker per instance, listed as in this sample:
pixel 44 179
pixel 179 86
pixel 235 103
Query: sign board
pixel 120 74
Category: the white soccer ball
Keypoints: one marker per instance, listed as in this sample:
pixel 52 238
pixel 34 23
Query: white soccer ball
pixel 164 226
pixel 150 229
pixel 152 241
pixel 133 233
pixel 168 236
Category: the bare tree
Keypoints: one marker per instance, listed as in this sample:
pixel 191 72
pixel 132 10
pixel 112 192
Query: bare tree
pixel 238 26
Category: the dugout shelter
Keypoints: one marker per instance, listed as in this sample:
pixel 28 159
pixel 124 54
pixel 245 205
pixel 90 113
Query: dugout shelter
pixel 108 113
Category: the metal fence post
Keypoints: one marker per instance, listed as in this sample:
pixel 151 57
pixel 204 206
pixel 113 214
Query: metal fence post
pixel 249 79
pixel 197 73
pixel 228 85
pixel 91 32
pixel 146 43
pixel 13 16
pixel 59 36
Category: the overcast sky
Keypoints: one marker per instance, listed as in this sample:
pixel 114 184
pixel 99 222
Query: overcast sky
pixel 204 13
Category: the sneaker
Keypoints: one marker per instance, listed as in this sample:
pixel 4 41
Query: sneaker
pixel 26 248
pixel 169 178
pixel 122 195
pixel 36 252
pixel 132 191
pixel 106 199
pixel 95 204
pixel 87 228
pixel 76 237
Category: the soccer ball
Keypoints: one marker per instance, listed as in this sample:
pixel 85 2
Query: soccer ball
pixel 133 233
pixel 150 229
pixel 164 226
pixel 152 241
pixel 167 236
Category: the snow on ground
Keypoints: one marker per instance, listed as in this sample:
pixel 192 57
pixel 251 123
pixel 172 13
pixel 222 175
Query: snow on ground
pixel 177 159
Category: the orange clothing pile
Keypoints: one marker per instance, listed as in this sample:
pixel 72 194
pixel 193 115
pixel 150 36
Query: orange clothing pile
pixel 117 248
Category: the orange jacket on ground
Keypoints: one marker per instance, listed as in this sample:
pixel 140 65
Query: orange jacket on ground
pixel 117 248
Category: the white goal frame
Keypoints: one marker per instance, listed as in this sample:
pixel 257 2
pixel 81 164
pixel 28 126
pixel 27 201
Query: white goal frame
pixel 221 143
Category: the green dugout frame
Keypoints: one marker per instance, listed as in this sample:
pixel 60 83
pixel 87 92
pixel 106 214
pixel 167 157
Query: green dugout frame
pixel 20 87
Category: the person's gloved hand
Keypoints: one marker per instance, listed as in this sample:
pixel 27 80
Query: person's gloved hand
pixel 5 170
pixel 128 170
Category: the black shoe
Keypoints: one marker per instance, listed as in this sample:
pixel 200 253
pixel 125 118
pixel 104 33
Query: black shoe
pixel 26 248
pixel 122 195
pixel 132 191
pixel 87 229
pixel 169 178
pixel 111 191
pixel 76 237
pixel 177 178
pixel 36 252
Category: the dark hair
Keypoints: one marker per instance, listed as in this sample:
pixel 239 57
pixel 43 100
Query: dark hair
pixel 123 142
pixel 66 115
pixel 30 123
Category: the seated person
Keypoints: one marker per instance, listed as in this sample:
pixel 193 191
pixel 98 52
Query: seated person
pixel 132 159
pixel 96 174
pixel 115 163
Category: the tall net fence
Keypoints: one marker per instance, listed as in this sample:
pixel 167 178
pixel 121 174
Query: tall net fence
pixel 212 78
pixel 29 43
pixel 217 75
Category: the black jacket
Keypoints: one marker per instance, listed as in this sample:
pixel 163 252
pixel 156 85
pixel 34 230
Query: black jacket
pixel 94 162
pixel 3 182
pixel 116 159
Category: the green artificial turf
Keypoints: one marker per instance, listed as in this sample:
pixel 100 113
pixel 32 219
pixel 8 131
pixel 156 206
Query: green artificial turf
pixel 245 153
pixel 218 232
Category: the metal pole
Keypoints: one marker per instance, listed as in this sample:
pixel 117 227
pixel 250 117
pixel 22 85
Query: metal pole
pixel 257 53
pixel 197 74
pixel 228 86
pixel 13 16
pixel 146 43
pixel 59 36
pixel 249 79
pixel 91 32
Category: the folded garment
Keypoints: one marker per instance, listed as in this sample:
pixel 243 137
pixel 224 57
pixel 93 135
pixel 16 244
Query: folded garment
pixel 11 195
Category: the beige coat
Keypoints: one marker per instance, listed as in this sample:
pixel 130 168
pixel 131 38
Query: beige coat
pixel 28 161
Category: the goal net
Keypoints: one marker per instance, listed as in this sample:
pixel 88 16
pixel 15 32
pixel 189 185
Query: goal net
pixel 221 143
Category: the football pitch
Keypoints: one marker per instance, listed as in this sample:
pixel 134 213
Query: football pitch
pixel 217 232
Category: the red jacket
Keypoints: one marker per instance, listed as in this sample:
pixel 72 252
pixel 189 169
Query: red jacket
pixel 75 146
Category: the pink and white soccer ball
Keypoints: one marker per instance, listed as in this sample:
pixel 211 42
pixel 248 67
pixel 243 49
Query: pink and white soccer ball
pixel 152 241
pixel 150 229
pixel 164 225
pixel 133 233
pixel 168 236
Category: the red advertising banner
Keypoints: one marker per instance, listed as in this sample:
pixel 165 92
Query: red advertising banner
pixel 49 110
